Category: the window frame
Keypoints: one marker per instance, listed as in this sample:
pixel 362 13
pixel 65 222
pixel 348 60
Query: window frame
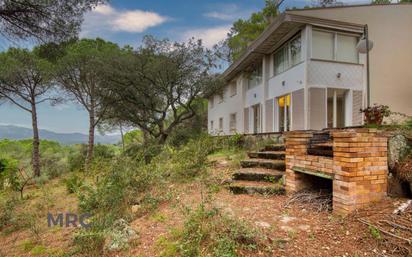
pixel 232 86
pixel 335 45
pixel 212 102
pixel 255 69
pixel 220 124
pixel 287 45
pixel 232 122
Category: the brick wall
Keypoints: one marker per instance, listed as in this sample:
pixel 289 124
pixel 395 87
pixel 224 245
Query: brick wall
pixel 358 167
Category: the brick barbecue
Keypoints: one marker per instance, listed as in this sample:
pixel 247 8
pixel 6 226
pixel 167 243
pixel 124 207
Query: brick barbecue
pixel 357 169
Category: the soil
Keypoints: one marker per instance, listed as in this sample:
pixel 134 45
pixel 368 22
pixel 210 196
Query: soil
pixel 293 231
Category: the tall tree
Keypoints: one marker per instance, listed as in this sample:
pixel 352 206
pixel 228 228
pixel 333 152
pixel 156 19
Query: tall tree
pixel 51 20
pixel 243 32
pixel 79 73
pixel 26 81
pixel 155 87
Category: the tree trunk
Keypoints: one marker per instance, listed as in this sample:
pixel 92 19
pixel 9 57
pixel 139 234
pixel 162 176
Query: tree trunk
pixel 162 138
pixel 90 146
pixel 121 134
pixel 36 142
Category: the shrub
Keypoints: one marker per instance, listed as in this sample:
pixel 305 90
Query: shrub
pixel 73 183
pixel 236 141
pixel 375 114
pixel 189 160
pixel 89 242
pixel 209 232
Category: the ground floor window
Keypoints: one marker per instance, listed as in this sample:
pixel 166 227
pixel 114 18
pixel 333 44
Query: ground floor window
pixel 220 124
pixel 211 125
pixel 232 122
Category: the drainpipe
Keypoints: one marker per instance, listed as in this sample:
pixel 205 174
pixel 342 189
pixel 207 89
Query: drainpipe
pixel 368 88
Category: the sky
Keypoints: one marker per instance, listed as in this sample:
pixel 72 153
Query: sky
pixel 126 22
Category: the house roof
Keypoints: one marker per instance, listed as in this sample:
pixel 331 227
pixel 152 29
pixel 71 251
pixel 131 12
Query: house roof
pixel 346 6
pixel 284 26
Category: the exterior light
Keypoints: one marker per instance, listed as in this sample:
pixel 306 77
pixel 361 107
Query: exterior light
pixel 361 46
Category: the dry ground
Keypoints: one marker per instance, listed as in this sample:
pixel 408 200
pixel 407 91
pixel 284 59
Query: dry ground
pixel 294 231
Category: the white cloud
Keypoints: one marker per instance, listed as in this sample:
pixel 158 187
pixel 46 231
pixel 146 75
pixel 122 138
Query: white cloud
pixel 137 21
pixel 220 16
pixel 105 18
pixel 209 36
pixel 228 12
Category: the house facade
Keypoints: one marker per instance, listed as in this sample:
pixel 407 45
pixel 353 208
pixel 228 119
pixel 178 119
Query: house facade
pixel 306 71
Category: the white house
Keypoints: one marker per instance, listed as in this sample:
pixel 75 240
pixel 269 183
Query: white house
pixel 305 71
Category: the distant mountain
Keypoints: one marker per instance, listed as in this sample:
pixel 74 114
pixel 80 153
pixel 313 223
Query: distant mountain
pixel 17 133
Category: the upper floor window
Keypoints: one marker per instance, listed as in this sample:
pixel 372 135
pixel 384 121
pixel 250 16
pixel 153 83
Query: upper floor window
pixel 220 97
pixel 212 101
pixel 233 89
pixel 334 46
pixel 288 55
pixel 255 77
pixel 220 124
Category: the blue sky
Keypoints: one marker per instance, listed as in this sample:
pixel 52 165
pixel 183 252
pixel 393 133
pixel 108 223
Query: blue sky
pixel 126 22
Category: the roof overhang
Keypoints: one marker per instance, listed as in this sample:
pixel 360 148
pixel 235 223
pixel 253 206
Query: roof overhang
pixel 280 30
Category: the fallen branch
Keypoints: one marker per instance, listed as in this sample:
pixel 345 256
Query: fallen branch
pixel 409 241
pixel 396 225
pixel 318 200
pixel 402 207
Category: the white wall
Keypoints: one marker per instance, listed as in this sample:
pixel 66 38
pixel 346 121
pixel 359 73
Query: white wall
pixel 230 104
pixel 254 96
pixel 325 74
pixel 293 80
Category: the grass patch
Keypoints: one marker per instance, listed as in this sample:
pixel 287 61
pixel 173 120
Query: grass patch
pixel 209 232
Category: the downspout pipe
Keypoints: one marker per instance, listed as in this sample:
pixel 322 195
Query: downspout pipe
pixel 368 88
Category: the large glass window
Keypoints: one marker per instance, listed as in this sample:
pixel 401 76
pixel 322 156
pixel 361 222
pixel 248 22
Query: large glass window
pixel 288 55
pixel 346 51
pixel 295 51
pixel 323 45
pixel 255 77
pixel 334 46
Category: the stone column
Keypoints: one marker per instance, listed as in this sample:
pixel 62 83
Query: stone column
pixel 296 144
pixel 361 168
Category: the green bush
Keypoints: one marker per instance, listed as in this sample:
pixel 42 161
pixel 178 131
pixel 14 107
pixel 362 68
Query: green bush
pixel 73 183
pixel 89 242
pixel 207 231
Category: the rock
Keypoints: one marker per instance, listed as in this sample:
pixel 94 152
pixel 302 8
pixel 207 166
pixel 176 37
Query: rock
pixel 262 224
pixel 135 208
pixel 286 219
pixel 120 235
pixel 397 149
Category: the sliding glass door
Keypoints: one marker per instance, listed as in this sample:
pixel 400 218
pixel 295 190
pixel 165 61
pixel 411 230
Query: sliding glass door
pixel 283 104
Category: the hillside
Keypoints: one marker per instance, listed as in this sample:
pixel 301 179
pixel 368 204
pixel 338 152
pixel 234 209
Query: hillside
pixel 17 133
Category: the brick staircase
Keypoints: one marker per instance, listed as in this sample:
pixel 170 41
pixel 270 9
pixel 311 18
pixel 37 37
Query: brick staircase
pixel 261 173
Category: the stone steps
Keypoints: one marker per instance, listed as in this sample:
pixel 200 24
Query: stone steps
pixel 273 155
pixel 255 187
pixel 261 173
pixel 263 163
pixel 258 174
pixel 274 147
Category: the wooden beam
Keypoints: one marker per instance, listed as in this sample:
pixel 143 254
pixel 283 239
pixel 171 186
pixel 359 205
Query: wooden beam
pixel 312 172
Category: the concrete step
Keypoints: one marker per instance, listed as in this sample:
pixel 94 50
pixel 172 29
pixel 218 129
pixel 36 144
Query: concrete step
pixel 274 147
pixel 253 187
pixel 274 155
pixel 258 174
pixel 263 163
